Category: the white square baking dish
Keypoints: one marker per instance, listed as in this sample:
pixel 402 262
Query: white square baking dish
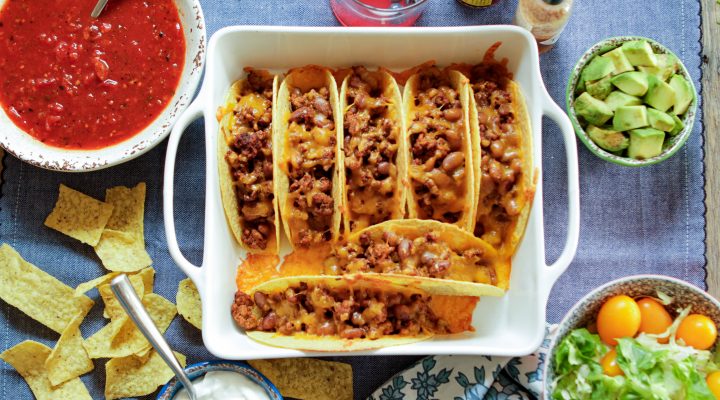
pixel 511 325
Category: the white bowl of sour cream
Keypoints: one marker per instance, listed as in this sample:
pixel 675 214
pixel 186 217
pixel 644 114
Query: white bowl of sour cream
pixel 215 380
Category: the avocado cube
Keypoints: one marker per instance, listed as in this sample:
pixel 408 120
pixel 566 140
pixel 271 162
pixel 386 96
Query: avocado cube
pixel 660 95
pixel 609 140
pixel 634 83
pixel 618 99
pixel 593 110
pixel 667 66
pixel 580 86
pixel 679 125
pixel 600 89
pixel 683 94
pixel 620 60
pixel 630 117
pixel 598 68
pixel 660 120
pixel 639 53
pixel 645 143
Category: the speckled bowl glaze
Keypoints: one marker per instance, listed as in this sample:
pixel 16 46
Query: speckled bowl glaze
pixel 31 150
pixel 195 371
pixel 586 310
pixel 671 146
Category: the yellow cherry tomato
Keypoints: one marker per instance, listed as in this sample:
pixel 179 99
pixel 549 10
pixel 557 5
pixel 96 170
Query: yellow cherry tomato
pixel 609 364
pixel 713 382
pixel 619 317
pixel 654 317
pixel 697 331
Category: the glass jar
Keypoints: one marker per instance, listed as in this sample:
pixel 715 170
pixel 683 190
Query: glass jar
pixel 378 12
pixel 545 19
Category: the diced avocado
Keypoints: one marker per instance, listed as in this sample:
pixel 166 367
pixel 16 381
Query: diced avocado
pixel 618 99
pixel 593 110
pixel 608 139
pixel 639 53
pixel 630 117
pixel 600 89
pixel 580 86
pixel 620 60
pixel 660 120
pixel 660 95
pixel 598 68
pixel 667 66
pixel 683 94
pixel 679 125
pixel 645 143
pixel 634 83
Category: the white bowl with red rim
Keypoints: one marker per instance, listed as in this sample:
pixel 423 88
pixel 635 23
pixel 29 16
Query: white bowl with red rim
pixel 31 150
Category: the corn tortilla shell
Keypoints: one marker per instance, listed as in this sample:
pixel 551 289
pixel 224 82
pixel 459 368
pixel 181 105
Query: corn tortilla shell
pixel 132 376
pixel 68 359
pixel 28 359
pixel 89 285
pixel 38 294
pixel 122 251
pixel 113 309
pixel 308 378
pixel 79 216
pixel 188 301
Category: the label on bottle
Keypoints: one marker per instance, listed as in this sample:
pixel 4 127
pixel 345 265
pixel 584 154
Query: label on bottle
pixel 477 3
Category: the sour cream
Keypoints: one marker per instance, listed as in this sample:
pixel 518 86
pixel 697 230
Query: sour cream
pixel 224 385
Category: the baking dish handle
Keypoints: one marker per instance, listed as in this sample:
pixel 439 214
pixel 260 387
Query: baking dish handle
pixel 553 272
pixel 193 112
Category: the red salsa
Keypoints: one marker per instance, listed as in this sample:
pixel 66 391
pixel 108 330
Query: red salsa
pixel 75 82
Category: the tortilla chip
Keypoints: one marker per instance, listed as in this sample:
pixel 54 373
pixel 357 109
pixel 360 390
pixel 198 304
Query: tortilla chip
pixel 113 309
pixel 122 251
pixel 131 377
pixel 79 216
pixel 68 359
pixel 148 277
pixel 120 338
pixel 89 285
pixel 129 211
pixel 308 378
pixel 36 293
pixel 28 358
pixel 188 303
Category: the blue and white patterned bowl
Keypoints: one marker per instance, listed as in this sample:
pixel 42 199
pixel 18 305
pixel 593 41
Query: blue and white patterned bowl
pixel 197 370
pixel 586 310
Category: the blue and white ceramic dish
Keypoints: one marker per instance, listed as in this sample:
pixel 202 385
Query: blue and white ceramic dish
pixel 197 370
pixel 586 310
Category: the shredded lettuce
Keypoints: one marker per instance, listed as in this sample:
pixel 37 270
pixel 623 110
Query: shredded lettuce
pixel 652 370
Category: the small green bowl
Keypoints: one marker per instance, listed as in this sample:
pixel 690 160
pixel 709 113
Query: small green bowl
pixel 671 146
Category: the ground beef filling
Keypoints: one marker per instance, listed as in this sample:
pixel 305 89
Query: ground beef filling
pixel 351 313
pixel 311 148
pixel 250 159
pixel 438 162
pixel 425 256
pixel 501 154
pixel 371 145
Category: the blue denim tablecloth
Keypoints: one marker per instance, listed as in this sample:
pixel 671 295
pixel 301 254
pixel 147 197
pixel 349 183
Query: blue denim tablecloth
pixel 648 220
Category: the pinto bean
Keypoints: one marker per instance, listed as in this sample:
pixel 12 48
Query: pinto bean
pixel 401 312
pixel 352 333
pixel 497 148
pixel 357 319
pixel 260 300
pixel 326 328
pixel 383 168
pixel 427 258
pixel 269 322
pixel 404 248
pixel 452 161
pixel 453 114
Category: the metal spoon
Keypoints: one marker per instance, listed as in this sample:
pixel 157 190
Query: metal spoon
pixel 129 300
pixel 98 8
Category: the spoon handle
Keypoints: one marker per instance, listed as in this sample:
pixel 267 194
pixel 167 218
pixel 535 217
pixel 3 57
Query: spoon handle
pixel 98 8
pixel 129 300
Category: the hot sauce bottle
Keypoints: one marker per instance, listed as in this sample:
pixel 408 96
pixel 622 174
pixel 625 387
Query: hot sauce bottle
pixel 545 19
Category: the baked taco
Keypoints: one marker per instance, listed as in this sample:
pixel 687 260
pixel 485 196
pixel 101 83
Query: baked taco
pixel 502 140
pixel 245 162
pixel 438 258
pixel 439 147
pixel 307 142
pixel 375 158
pixel 344 314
